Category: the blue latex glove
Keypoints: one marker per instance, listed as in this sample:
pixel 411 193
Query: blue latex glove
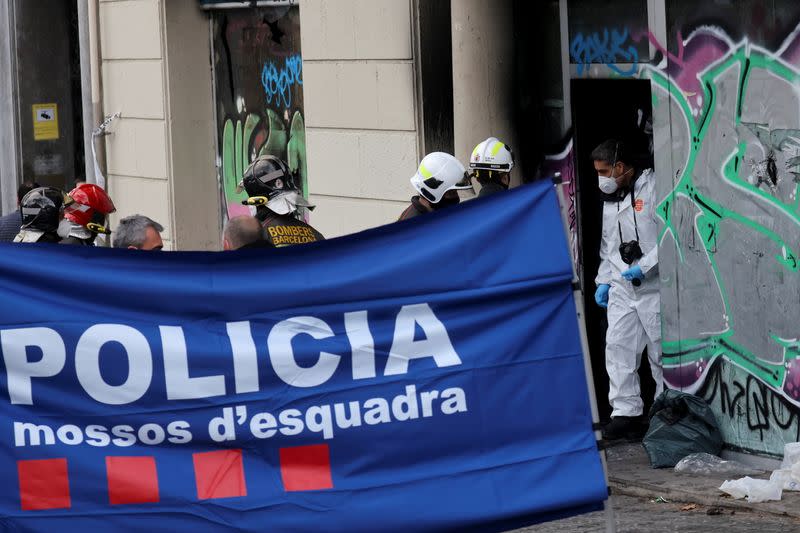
pixel 634 272
pixel 601 295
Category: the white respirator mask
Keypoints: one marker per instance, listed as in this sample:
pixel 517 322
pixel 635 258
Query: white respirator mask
pixel 607 185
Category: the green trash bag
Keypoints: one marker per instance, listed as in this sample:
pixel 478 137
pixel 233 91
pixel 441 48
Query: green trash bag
pixel 680 424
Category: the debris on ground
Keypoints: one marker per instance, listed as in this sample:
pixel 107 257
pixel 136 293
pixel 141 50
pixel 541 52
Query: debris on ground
pixel 761 490
pixel 755 490
pixel 680 424
pixel 704 464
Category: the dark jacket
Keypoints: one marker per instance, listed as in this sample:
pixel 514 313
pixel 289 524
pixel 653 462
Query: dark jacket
pixel 414 210
pixel 285 230
pixel 75 240
pixel 490 188
pixel 9 226
pixel 257 244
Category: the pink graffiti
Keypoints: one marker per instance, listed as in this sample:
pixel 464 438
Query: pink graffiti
pixel 792 384
pixel 564 162
pixel 790 51
pixel 671 58
pixel 702 48
pixel 705 46
pixel 686 376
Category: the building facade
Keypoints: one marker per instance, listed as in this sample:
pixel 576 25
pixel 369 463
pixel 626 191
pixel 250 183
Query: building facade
pixel 203 92
pixel 354 92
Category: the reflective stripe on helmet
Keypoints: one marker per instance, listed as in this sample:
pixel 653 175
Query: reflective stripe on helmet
pixel 275 174
pixel 78 207
pixel 437 173
pixel 492 154
pixel 424 172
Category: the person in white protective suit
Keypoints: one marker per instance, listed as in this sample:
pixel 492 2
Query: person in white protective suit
pixel 627 284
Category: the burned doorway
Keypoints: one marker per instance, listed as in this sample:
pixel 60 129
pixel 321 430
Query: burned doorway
pixel 604 109
pixel 258 89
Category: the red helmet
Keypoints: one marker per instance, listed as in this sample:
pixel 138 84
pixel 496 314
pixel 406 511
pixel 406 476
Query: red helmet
pixel 90 207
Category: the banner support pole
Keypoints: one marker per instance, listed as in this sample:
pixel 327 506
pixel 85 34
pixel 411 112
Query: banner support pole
pixel 577 294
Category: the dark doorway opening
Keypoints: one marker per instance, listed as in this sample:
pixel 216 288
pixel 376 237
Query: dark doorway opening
pixel 603 109
pixel 48 83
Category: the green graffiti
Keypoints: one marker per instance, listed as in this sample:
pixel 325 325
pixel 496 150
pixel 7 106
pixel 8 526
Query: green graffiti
pixel 276 141
pixel 242 143
pixel 232 160
pixel 713 212
pixel 685 351
pixel 296 150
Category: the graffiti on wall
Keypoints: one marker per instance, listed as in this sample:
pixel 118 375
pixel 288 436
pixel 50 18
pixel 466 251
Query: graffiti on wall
pixel 753 409
pixel 279 82
pixel 728 116
pixel 617 49
pixel 729 247
pixel 564 162
pixel 609 46
pixel 243 141
pixel 259 95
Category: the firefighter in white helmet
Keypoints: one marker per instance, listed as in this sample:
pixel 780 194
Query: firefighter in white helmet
pixel 437 181
pixel 491 163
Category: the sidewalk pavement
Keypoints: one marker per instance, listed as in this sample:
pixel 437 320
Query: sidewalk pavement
pixel 630 474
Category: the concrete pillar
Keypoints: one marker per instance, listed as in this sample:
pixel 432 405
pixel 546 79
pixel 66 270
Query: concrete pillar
pixel 483 65
pixel 156 73
pixel 196 201
pixel 84 43
pixel 8 110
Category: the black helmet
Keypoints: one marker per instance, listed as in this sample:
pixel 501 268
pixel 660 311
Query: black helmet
pixel 268 176
pixel 42 208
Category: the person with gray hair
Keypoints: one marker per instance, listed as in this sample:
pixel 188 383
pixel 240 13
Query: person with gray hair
pixel 138 232
pixel 244 231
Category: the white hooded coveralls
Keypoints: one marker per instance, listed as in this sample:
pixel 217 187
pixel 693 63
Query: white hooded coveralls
pixel 634 315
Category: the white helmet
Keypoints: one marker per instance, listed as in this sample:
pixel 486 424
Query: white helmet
pixel 492 154
pixel 438 173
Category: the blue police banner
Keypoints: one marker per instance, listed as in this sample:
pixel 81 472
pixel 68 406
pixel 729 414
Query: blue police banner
pixel 421 376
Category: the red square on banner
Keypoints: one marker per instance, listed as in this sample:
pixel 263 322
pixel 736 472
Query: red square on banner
pixel 306 468
pixel 132 480
pixel 43 484
pixel 219 474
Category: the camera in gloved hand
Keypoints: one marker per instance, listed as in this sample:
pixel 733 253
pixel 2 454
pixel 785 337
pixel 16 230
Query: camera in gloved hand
pixel 630 251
